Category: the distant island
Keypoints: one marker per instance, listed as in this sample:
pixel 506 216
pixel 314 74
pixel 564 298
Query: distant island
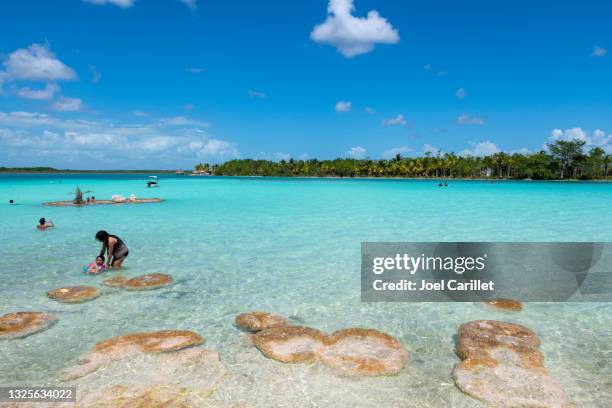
pixel 564 160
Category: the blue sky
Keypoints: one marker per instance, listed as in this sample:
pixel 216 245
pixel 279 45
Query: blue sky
pixel 168 83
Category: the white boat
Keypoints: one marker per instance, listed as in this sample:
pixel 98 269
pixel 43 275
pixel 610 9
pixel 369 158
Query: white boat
pixel 152 181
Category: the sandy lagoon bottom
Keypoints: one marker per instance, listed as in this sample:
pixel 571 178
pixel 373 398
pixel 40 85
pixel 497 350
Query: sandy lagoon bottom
pixel 291 248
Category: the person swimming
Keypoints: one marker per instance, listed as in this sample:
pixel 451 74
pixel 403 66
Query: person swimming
pixel 96 267
pixel 115 248
pixel 43 224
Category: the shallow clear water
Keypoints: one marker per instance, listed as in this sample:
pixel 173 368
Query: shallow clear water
pixel 290 246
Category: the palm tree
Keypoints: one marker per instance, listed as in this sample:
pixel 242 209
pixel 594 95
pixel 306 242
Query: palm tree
pixel 78 196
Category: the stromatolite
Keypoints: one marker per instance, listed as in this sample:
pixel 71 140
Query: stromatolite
pixel 256 321
pixel 502 365
pixel 21 324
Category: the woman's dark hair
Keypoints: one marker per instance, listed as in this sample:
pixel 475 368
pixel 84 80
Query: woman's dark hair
pixel 100 256
pixel 102 236
pixel 42 221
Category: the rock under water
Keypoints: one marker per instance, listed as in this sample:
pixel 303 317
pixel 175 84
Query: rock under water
pixel 352 351
pixel 290 344
pixel 74 294
pixel 512 305
pixel 143 282
pixel 256 321
pixel 502 365
pixel 120 347
pixel 21 324
pixel 183 378
pixel 115 281
pixel 357 351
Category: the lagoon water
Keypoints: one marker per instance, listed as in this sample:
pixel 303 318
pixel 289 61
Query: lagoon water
pixel 290 246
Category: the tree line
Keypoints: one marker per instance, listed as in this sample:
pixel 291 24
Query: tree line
pixel 563 160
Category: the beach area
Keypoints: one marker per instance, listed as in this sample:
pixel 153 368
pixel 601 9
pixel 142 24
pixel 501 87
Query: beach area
pixel 290 247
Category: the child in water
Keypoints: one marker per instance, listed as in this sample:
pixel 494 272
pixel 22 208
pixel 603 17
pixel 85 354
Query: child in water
pixel 97 267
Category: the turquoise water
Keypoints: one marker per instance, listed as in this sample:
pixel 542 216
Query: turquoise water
pixel 290 246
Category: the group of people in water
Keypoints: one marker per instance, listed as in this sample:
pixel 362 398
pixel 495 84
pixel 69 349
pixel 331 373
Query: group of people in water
pixel 114 247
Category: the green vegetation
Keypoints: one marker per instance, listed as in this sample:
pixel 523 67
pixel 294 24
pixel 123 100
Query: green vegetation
pixel 565 160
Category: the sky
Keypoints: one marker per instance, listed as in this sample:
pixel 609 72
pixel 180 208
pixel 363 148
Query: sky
pixel 165 84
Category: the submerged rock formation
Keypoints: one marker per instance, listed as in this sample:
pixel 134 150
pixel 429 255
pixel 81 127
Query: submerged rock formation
pixel 121 396
pixel 290 344
pixel 74 294
pixel 115 281
pixel 120 347
pixel 149 281
pixel 503 366
pixel 357 351
pixel 183 378
pixel 143 282
pixel 506 304
pixel 256 321
pixel 21 324
pixel 353 351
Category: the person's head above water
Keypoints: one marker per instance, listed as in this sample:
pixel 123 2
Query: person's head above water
pixel 102 236
pixel 11 202
pixel 99 260
pixel 42 221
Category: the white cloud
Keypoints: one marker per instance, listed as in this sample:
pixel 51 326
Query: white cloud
pixel 26 119
pixel 397 120
pixel 182 121
pixel 218 149
pixel 427 148
pixel 282 156
pixel 353 35
pixel 369 110
pixel 461 93
pixel 522 150
pixel 36 63
pixel 466 119
pixel 356 152
pixel 155 144
pixel 65 104
pixel 391 153
pixel 257 94
pixel 481 149
pixel 597 138
pixel 40 94
pixel 194 70
pixel 599 52
pixel 120 3
pixel 343 106
pixel 570 134
pixel 28 134
pixel 191 4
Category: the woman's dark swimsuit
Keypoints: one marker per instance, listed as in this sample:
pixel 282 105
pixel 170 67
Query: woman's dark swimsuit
pixel 120 250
